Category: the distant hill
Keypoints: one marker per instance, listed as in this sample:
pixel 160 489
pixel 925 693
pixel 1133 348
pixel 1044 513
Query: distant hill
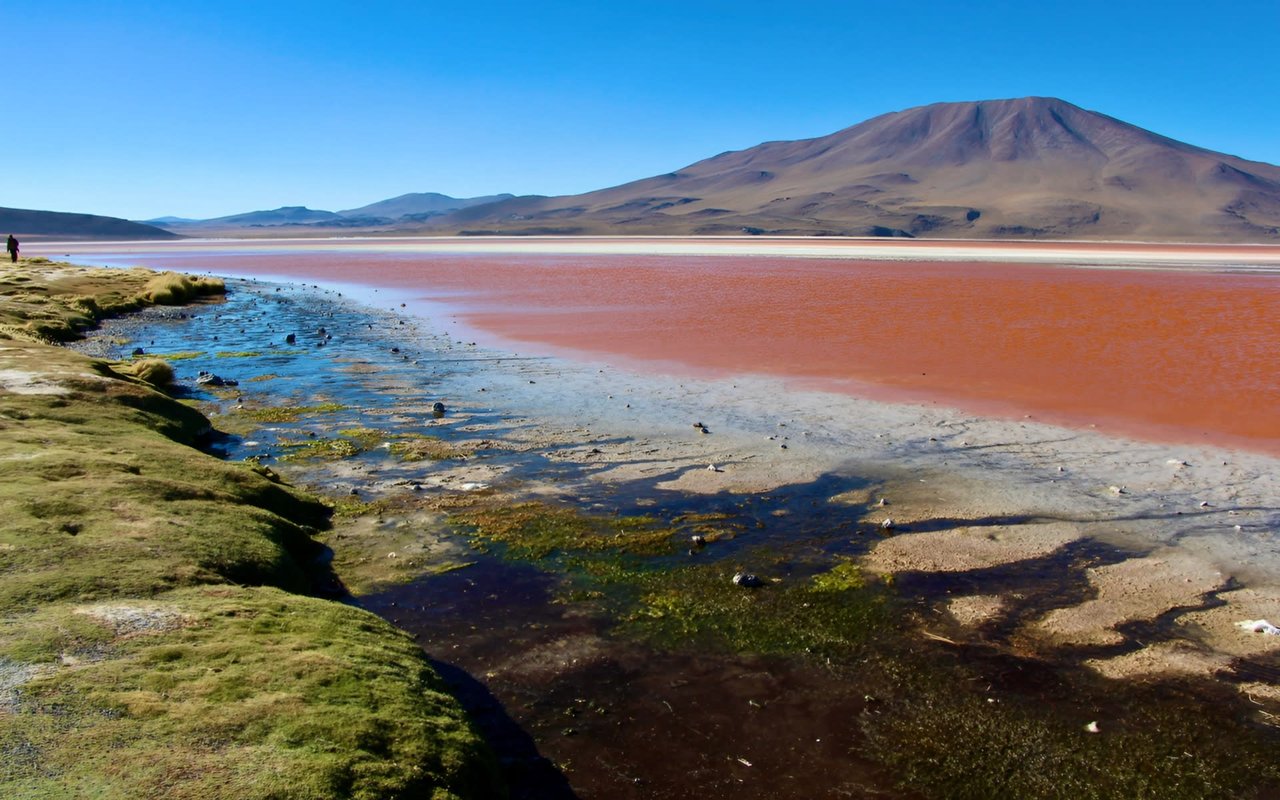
pixel 384 216
pixel 285 215
pixel 419 203
pixel 163 221
pixel 1032 167
pixel 57 224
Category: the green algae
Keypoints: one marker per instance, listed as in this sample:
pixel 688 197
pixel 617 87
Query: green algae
pixel 947 732
pixel 320 448
pixel 238 354
pixel 536 530
pixel 829 615
pixel 281 414
pixel 182 355
pixel 412 447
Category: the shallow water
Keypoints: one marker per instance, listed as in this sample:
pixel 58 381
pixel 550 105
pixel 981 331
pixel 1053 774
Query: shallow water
pixel 1172 355
pixel 549 680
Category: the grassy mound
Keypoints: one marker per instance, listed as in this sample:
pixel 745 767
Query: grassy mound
pixel 48 302
pixel 155 638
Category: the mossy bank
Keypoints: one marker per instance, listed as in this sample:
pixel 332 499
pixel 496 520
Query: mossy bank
pixel 158 637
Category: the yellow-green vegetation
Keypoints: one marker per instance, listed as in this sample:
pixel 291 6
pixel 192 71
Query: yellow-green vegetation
pixel 183 355
pixel 933 719
pixel 366 438
pixel 46 302
pixel 154 371
pixel 270 376
pixel 421 447
pixel 389 541
pixel 538 530
pixel 229 692
pixel 319 448
pixel 174 288
pixel 237 354
pixel 155 638
pixel 826 615
pixel 278 414
pixel 947 735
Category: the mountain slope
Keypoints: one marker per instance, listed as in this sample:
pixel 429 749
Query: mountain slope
pixel 58 224
pixel 1026 168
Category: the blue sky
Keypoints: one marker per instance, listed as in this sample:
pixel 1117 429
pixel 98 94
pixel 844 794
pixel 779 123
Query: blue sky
pixel 199 109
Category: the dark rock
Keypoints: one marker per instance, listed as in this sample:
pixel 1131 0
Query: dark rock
pixel 137 351
pixel 291 338
pixel 747 580
pixel 209 379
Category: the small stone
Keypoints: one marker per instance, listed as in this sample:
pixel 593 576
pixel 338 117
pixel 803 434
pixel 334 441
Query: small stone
pixel 291 339
pixel 1092 727
pixel 747 580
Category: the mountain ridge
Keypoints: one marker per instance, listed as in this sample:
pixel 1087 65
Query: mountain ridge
pixel 26 222
pixel 1027 168
pixel 1030 167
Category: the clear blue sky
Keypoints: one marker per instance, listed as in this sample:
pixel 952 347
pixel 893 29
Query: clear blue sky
pixel 140 108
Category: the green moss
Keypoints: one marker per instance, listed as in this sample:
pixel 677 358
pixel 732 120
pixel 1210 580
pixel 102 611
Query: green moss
pixel 183 355
pixel 319 448
pixel 154 371
pixel 237 354
pixel 946 734
pixel 421 447
pixel 150 615
pixel 537 530
pixel 277 414
pixel 829 615
pixel 366 438
pixel 230 692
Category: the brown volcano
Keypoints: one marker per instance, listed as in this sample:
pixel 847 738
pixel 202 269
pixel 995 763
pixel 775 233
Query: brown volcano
pixel 1028 168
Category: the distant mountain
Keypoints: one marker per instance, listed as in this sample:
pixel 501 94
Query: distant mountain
pixel 1027 168
pixel 285 215
pixel 57 224
pixel 419 203
pixel 164 221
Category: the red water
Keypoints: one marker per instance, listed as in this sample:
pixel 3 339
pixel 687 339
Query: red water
pixel 1174 355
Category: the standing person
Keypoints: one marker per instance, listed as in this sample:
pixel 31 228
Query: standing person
pixel 12 247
